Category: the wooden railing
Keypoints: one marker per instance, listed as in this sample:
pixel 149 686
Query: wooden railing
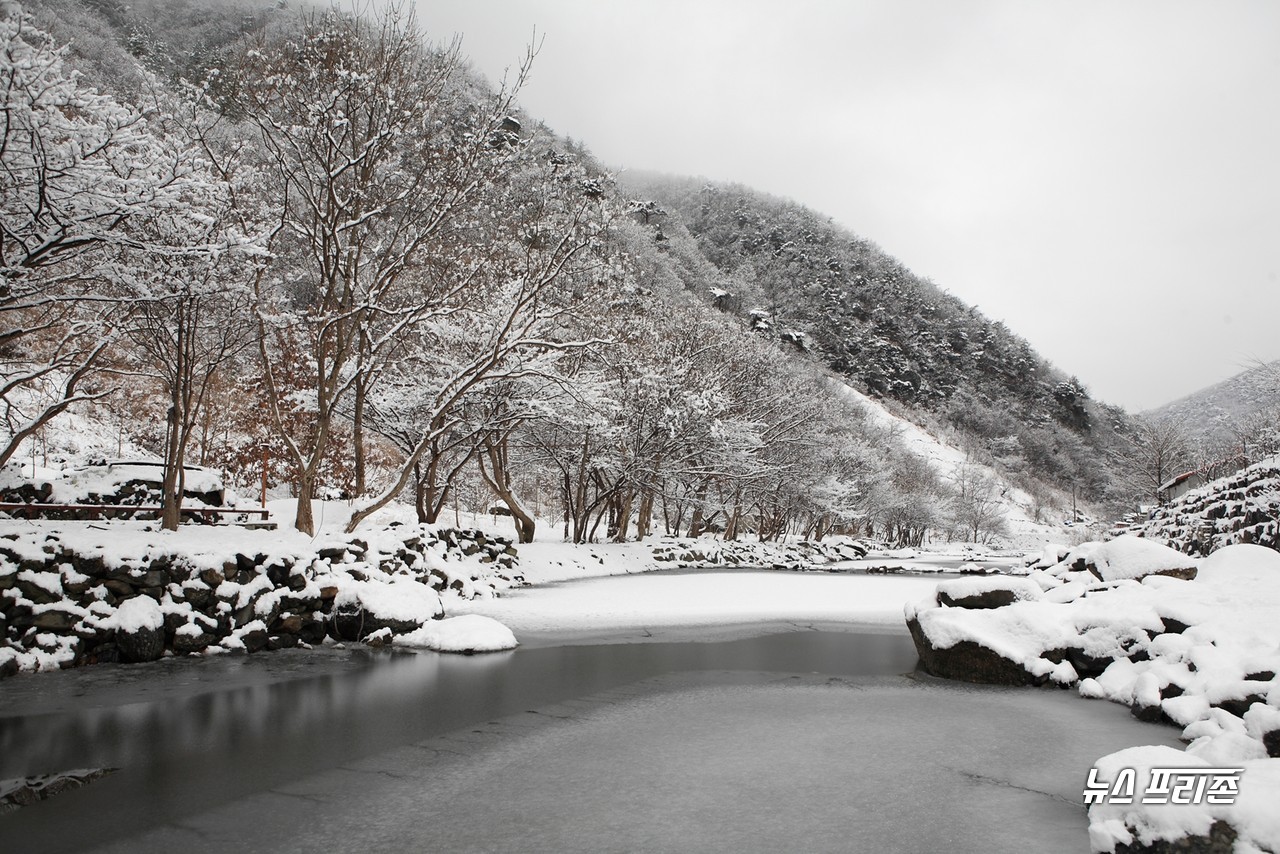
pixel 37 510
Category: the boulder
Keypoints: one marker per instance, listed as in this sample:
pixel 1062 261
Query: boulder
pixel 996 598
pixel 1084 664
pixel 1133 557
pixel 311 632
pixel 985 593
pixel 255 640
pixel 139 625
pixel 967 661
pixel 141 644
pixel 1221 839
pixel 55 620
pixel 356 623
pixel 282 641
pixel 184 643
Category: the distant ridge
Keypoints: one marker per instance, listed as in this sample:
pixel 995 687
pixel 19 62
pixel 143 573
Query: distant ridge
pixel 1215 412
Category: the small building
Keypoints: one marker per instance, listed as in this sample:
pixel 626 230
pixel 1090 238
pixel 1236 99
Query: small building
pixel 1179 486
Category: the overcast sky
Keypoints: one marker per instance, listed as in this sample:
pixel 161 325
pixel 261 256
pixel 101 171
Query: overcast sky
pixel 1104 177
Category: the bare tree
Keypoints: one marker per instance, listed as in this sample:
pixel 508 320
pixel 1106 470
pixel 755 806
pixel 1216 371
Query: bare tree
pixel 192 319
pixel 79 174
pixel 377 149
pixel 1157 450
pixel 975 502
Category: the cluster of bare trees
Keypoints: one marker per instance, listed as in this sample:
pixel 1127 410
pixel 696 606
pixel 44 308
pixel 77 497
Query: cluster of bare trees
pixel 343 263
pixel 1160 449
pixel 355 208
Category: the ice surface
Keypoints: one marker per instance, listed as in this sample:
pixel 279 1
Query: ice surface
pixel 708 762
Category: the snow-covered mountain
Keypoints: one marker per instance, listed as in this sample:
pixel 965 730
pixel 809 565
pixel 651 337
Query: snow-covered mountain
pixel 1216 413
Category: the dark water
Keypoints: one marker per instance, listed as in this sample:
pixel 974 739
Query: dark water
pixel 811 741
pixel 197 733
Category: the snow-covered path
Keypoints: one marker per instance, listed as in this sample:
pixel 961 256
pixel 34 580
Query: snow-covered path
pixel 684 605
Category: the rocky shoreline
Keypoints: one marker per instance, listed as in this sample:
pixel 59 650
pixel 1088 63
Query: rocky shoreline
pixel 1193 644
pixel 74 595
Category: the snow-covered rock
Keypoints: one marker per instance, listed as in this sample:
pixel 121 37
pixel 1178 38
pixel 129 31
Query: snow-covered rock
pixel 75 594
pixel 1133 557
pixel 1202 654
pixel 987 592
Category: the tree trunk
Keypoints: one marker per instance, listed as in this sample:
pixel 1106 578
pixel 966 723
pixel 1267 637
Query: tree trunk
pixel 624 517
pixel 498 477
pixel 419 494
pixel 171 490
pixel 304 519
pixel 696 522
pixel 735 519
pixel 644 514
pixel 357 435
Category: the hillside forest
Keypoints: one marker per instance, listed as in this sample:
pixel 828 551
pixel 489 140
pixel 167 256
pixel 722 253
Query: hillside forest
pixel 316 251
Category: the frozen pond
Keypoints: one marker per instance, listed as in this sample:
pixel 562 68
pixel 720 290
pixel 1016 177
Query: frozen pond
pixel 816 741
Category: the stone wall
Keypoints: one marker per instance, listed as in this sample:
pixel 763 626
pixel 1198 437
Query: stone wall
pixel 1240 508
pixel 62 607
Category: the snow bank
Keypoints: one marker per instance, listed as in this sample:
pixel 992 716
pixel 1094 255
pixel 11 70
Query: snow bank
pixel 466 634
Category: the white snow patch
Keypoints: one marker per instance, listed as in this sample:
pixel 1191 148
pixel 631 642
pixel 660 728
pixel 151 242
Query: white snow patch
pixel 136 614
pixel 467 633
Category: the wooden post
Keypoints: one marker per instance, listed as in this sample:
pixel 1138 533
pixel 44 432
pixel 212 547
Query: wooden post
pixel 264 477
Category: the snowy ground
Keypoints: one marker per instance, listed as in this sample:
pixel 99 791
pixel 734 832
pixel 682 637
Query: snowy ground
pixel 1018 507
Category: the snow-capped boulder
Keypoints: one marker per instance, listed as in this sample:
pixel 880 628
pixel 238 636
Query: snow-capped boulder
pixel 139 625
pixel 1131 557
pixel 947 649
pixel 401 605
pixel 979 593
pixel 967 661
